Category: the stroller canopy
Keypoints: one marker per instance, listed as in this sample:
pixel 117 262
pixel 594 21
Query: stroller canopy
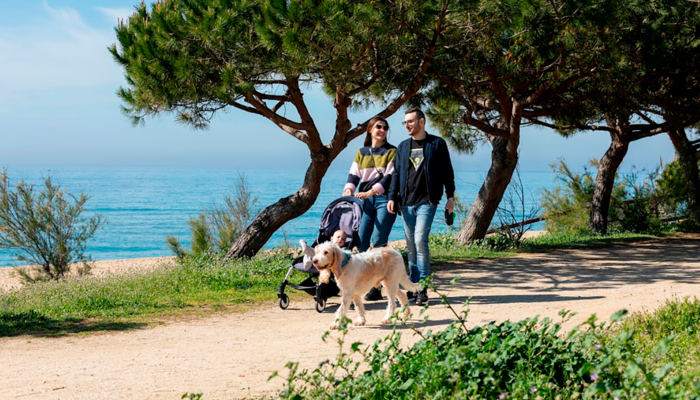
pixel 343 213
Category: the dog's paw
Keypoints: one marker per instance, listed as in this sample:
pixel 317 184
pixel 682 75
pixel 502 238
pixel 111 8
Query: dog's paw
pixel 360 322
pixel 335 326
pixel 386 322
pixel 406 313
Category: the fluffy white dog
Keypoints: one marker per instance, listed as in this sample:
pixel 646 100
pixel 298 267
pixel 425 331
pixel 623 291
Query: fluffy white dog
pixel 357 273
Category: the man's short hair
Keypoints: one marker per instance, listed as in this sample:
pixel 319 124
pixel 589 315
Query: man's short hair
pixel 416 110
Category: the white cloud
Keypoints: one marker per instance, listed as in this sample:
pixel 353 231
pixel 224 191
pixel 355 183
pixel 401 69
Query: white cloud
pixel 57 51
pixel 116 14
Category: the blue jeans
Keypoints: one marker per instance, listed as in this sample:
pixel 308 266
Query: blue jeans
pixel 375 215
pixel 417 220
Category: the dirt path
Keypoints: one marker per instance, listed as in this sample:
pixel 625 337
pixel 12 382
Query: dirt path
pixel 231 356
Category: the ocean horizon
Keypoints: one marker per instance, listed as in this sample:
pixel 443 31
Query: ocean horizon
pixel 144 205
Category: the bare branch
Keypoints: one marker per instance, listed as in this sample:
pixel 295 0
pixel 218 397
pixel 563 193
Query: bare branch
pixel 580 127
pixel 484 127
pixel 295 129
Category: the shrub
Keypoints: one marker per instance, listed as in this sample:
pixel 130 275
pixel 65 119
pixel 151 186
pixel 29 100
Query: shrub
pixel 215 230
pixel 530 359
pixel 566 208
pixel 45 228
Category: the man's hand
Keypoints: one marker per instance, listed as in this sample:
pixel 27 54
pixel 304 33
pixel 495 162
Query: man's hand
pixel 390 207
pixel 450 205
pixel 347 192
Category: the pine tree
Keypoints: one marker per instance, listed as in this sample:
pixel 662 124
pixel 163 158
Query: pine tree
pixel 194 58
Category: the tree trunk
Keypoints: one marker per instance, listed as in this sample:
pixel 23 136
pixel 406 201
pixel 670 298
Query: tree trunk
pixel 274 216
pixel 689 165
pixel 504 159
pixel 604 183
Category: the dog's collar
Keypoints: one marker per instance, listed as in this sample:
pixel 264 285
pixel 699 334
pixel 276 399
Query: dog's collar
pixel 345 261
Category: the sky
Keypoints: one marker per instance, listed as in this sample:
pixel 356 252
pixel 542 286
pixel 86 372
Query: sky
pixel 58 107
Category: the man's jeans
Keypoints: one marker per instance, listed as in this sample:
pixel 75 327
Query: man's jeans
pixel 417 221
pixel 375 215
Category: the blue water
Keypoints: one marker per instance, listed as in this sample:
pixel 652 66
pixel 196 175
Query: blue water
pixel 144 205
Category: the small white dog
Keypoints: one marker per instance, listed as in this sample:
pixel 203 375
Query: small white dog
pixel 357 273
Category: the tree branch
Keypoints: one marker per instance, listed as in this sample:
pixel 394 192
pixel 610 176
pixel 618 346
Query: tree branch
pixel 580 127
pixel 375 75
pixel 295 129
pixel 484 127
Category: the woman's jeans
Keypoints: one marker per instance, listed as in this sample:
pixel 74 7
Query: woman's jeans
pixel 417 220
pixel 375 215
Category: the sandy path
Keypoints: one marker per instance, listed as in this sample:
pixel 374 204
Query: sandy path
pixel 231 356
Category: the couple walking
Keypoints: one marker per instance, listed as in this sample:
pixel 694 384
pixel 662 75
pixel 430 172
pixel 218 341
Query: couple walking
pixel 408 181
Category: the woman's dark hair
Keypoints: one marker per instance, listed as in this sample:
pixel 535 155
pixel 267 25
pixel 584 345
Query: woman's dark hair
pixel 370 125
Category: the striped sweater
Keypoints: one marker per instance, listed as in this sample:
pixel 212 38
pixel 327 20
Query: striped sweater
pixel 372 169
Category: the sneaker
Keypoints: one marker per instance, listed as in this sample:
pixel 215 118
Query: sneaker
pixel 422 297
pixel 411 295
pixel 374 294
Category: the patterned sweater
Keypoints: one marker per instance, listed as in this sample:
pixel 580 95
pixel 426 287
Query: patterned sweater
pixel 372 169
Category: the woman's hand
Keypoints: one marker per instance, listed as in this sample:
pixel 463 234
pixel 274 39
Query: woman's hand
pixel 365 195
pixel 347 192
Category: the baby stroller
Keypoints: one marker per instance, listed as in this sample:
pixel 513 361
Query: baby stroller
pixel 344 213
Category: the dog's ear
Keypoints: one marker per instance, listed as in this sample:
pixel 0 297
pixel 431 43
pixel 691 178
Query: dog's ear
pixel 337 255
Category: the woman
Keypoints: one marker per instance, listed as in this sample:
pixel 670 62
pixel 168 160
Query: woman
pixel 370 175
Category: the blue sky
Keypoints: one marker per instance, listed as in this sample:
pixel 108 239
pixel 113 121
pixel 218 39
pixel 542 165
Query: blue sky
pixel 58 108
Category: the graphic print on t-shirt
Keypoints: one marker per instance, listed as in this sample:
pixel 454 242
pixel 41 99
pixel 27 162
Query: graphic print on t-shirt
pixel 416 158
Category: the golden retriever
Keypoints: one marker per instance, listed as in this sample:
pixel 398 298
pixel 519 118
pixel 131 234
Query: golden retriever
pixel 357 273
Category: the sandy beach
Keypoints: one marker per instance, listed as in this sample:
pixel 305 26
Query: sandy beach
pixel 9 278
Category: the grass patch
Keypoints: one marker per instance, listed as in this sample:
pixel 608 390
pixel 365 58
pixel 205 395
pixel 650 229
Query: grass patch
pixel 446 248
pixel 125 301
pixel 549 242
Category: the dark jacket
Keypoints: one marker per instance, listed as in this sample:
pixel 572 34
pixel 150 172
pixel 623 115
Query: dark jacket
pixel 438 170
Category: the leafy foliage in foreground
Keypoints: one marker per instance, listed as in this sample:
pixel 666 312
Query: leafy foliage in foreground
pixel 530 359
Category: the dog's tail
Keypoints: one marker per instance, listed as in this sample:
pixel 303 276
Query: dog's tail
pixel 408 285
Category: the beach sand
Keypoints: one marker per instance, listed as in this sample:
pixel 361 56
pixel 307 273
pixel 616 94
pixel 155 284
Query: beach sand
pixel 9 278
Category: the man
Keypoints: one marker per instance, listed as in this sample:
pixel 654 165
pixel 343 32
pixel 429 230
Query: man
pixel 423 170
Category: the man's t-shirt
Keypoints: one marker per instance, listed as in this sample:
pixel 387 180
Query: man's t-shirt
pixel 417 182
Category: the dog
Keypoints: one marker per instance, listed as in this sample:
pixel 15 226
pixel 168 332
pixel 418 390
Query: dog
pixel 357 273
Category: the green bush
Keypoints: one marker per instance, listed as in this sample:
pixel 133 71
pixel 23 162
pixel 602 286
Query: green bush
pixel 567 207
pixel 530 359
pixel 44 228
pixel 217 229
pixel 636 205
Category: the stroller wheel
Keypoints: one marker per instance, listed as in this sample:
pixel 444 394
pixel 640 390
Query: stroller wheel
pixel 284 301
pixel 321 305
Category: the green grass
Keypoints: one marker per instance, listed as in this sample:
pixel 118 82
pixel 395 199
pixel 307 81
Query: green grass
pixel 550 242
pixel 126 301
pixel 446 248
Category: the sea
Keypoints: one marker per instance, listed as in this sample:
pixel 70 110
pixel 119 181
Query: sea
pixel 142 206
